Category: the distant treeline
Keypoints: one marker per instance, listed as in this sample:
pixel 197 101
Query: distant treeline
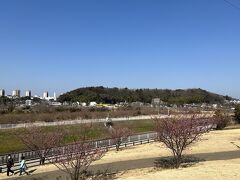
pixel 115 95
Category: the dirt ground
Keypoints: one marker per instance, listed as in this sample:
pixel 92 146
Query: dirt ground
pixel 221 161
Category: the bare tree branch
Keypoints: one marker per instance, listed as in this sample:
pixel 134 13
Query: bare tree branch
pixel 40 140
pixel 119 135
pixel 75 158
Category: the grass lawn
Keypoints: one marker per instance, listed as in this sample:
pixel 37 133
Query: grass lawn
pixel 9 141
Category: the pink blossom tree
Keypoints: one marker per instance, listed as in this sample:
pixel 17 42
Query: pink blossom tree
pixel 179 133
pixel 119 135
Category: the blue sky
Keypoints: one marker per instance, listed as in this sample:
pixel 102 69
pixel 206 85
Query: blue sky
pixel 62 45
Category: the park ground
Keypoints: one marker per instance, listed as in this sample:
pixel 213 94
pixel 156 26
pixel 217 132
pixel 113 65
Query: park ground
pixel 217 149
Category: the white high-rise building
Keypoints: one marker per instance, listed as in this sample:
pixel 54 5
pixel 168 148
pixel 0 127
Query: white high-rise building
pixel 45 95
pixel 2 92
pixel 28 93
pixel 16 93
pixel 54 96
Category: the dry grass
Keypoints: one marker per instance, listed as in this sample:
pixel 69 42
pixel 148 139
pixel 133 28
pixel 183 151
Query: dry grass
pixel 58 114
pixel 50 114
pixel 222 159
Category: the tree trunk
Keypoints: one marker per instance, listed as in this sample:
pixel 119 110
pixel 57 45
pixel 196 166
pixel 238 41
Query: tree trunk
pixel 178 160
pixel 75 176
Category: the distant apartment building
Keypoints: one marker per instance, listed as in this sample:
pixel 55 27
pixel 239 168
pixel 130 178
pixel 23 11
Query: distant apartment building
pixel 45 95
pixel 16 93
pixel 54 96
pixel 156 101
pixel 28 93
pixel 2 92
pixel 48 98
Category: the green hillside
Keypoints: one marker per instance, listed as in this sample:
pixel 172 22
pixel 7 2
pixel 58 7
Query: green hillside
pixel 114 95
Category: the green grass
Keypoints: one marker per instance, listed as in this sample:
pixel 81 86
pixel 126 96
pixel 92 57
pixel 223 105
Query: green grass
pixel 138 126
pixel 9 142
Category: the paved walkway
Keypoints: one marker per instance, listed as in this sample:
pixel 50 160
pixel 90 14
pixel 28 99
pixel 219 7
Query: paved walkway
pixel 82 121
pixel 119 166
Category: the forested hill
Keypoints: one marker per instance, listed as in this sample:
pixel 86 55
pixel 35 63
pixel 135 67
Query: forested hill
pixel 114 95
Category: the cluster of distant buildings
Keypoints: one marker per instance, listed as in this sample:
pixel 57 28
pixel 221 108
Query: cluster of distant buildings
pixel 235 101
pixel 28 93
pixel 156 102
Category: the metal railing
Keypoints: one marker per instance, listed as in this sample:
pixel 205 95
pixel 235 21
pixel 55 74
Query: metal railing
pixel 32 158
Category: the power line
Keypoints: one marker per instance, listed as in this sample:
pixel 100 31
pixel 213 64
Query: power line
pixel 231 4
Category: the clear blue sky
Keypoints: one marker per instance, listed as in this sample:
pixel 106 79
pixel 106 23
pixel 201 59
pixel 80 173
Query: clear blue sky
pixel 62 45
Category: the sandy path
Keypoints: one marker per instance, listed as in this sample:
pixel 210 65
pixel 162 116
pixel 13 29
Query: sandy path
pixel 222 160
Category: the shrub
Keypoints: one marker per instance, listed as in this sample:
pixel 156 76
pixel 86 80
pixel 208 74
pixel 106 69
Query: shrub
pixel 72 109
pixel 11 107
pixel 60 109
pixel 221 119
pixel 237 113
pixel 92 110
pixel 3 112
pixel 169 162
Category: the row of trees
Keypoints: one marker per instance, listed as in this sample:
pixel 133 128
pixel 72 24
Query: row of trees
pixel 177 134
pixel 115 95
